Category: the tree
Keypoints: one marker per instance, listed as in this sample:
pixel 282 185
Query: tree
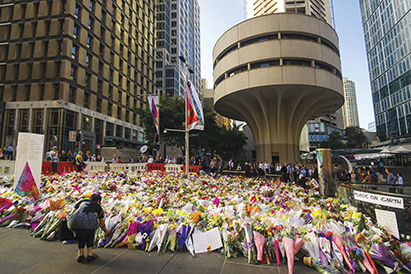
pixel 213 139
pixel 355 137
pixel 335 141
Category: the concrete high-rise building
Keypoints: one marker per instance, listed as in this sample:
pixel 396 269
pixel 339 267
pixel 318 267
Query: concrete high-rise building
pixel 276 75
pixel 371 127
pixel 387 30
pixel 321 10
pixel 178 34
pixel 350 109
pixel 318 8
pixel 71 65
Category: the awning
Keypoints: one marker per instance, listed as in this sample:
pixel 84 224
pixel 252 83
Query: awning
pixel 121 139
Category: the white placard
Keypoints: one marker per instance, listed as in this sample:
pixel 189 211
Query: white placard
pixel 384 200
pixel 210 238
pixel 388 220
pixel 29 151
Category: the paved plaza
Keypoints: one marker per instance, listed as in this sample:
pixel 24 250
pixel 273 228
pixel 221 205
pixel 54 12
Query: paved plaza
pixel 21 253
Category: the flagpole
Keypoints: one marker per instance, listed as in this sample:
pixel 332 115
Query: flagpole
pixel 187 142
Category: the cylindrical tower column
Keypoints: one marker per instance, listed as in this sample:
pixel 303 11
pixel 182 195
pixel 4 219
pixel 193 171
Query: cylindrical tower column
pixel 276 72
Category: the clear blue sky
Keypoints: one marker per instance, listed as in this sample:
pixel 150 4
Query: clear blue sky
pixel 217 16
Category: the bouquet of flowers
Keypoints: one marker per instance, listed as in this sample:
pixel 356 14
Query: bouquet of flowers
pixel 288 235
pixel 275 232
pixel 248 244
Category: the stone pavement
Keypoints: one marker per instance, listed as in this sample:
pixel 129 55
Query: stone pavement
pixel 21 253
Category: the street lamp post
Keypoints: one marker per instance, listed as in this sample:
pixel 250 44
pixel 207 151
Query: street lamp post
pixel 187 144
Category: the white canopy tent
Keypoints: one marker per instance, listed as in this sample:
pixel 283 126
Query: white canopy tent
pixel 401 149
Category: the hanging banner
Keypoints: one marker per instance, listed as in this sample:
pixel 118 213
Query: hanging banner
pixel 29 157
pixel 153 103
pixel 195 116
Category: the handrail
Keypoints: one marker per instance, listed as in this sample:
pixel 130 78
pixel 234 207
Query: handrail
pixel 373 191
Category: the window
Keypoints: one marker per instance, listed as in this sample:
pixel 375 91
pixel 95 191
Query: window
pixel 47 24
pixel 99 85
pixel 90 23
pixel 77 11
pixel 86 99
pixel 74 51
pixel 34 28
pixel 100 67
pixel 75 30
pixel 43 67
pixel 91 4
pixel 56 91
pixel 72 94
pixel 88 41
pixel 29 70
pixel 46 48
pixel 16 71
pixel 57 68
pixel 87 79
pixel 27 92
pixel 73 71
pixel 88 59
pixel 41 88
pixel 21 28
pixel 109 109
pixel 101 50
pixel 98 106
pixel 18 50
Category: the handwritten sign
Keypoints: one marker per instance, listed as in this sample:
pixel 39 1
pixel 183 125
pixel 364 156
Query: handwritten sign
pixel 388 220
pixel 29 157
pixel 384 200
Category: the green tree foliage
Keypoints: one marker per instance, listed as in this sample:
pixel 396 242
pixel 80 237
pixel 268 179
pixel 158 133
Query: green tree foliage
pixel 335 141
pixel 355 137
pixel 227 143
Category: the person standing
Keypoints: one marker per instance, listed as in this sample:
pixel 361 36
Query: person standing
pixel 54 154
pixel 114 160
pixel 400 182
pixel 336 173
pixel 391 179
pixel 284 177
pixel 10 150
pixel 63 157
pixel 79 161
pixel 119 161
pixel 323 181
pixel 132 160
pixel 83 225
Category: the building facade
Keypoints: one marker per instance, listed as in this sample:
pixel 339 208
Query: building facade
pixel 318 8
pixel 178 34
pixel 71 65
pixel 387 31
pixel 350 109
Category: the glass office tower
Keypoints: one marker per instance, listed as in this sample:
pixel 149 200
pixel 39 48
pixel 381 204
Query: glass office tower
pixel 178 34
pixel 387 31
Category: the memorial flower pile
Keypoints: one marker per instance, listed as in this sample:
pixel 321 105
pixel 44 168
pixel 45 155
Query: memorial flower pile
pixel 266 221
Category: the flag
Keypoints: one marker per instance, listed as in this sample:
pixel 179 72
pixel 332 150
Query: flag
pixel 195 116
pixel 153 103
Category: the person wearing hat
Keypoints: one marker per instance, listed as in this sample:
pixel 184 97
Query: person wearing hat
pixel 54 154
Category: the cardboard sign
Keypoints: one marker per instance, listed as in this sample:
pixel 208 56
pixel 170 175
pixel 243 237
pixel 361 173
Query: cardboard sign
pixel 384 200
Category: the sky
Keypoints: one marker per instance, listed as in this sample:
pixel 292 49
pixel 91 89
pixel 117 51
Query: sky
pixel 217 16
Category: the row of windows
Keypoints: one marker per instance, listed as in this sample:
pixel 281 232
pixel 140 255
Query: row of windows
pixel 25 92
pixel 277 62
pixel 270 37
